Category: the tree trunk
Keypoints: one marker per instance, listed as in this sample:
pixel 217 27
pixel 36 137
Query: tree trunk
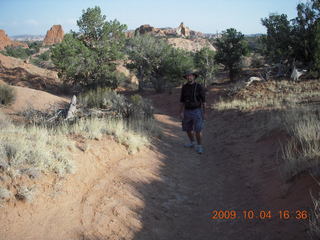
pixel 231 74
pixel 73 108
pixel 159 84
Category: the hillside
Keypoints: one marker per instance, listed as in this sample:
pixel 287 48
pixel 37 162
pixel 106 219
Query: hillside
pixel 21 73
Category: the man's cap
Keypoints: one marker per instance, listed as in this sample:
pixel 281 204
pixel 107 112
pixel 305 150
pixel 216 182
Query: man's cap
pixel 190 72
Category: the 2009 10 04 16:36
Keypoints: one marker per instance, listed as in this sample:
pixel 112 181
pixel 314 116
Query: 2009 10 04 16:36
pixel 259 214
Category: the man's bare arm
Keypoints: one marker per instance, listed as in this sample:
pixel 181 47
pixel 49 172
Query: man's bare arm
pixel 181 110
pixel 203 105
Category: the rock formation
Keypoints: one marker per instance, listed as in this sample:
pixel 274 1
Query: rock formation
pixel 54 35
pixel 129 34
pixel 6 41
pixel 190 45
pixel 147 29
pixel 182 30
pixel 177 37
pixel 197 34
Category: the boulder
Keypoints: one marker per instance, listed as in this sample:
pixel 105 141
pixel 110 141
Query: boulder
pixel 6 41
pixel 54 35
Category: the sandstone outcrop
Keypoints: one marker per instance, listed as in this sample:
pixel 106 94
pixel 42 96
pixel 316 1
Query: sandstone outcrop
pixel 6 41
pixel 190 45
pixel 54 35
pixel 129 34
pixel 182 30
pixel 147 29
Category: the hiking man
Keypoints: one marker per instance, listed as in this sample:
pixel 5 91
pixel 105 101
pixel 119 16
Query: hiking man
pixel 192 110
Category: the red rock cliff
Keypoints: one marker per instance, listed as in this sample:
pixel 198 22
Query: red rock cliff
pixel 54 35
pixel 6 41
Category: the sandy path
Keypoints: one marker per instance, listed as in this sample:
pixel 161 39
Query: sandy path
pixel 238 171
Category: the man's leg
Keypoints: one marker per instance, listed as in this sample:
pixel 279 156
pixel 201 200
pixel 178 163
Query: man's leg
pixel 187 126
pixel 191 135
pixel 198 129
pixel 199 138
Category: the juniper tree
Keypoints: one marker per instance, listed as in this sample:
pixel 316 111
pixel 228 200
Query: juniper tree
pixel 88 58
pixel 230 48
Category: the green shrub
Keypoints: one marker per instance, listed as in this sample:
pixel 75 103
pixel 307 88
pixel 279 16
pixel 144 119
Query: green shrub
pixel 156 62
pixel 230 48
pixel 45 56
pixel 17 52
pixel 141 108
pixel 35 46
pixel 36 61
pixel 88 58
pixel 105 98
pixel 7 94
pixel 257 61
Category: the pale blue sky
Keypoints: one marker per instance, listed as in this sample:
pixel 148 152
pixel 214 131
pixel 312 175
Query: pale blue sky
pixel 208 16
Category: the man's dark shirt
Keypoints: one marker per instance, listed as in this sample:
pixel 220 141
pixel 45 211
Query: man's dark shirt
pixel 187 95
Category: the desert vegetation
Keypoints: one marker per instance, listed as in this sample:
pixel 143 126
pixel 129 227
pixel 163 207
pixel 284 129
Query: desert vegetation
pixel 87 58
pixel 231 47
pixel 7 94
pixel 288 44
pixel 21 52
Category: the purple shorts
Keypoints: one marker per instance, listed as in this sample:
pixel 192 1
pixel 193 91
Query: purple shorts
pixel 193 120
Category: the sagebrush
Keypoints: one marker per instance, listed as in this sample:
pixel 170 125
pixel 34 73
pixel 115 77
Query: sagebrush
pixel 7 94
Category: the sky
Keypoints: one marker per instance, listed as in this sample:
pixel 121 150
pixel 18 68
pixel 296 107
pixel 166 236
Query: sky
pixel 35 17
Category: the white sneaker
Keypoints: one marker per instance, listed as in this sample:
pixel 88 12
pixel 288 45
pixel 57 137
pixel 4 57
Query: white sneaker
pixel 189 145
pixel 199 149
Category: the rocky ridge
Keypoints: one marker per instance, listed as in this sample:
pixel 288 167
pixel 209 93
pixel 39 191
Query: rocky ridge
pixel 6 41
pixel 181 31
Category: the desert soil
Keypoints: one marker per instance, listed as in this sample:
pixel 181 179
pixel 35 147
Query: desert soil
pixel 166 191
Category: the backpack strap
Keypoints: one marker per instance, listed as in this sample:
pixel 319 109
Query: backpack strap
pixel 195 93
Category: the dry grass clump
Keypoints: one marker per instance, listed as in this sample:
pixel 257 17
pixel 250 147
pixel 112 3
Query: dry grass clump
pixel 7 94
pixel 271 94
pixel 130 120
pixel 314 222
pixel 25 193
pixel 24 148
pixel 302 152
pixel 5 194
pixel 133 134
pixel 246 104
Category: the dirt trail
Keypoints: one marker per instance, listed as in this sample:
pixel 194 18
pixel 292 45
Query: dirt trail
pixel 238 171
pixel 168 192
